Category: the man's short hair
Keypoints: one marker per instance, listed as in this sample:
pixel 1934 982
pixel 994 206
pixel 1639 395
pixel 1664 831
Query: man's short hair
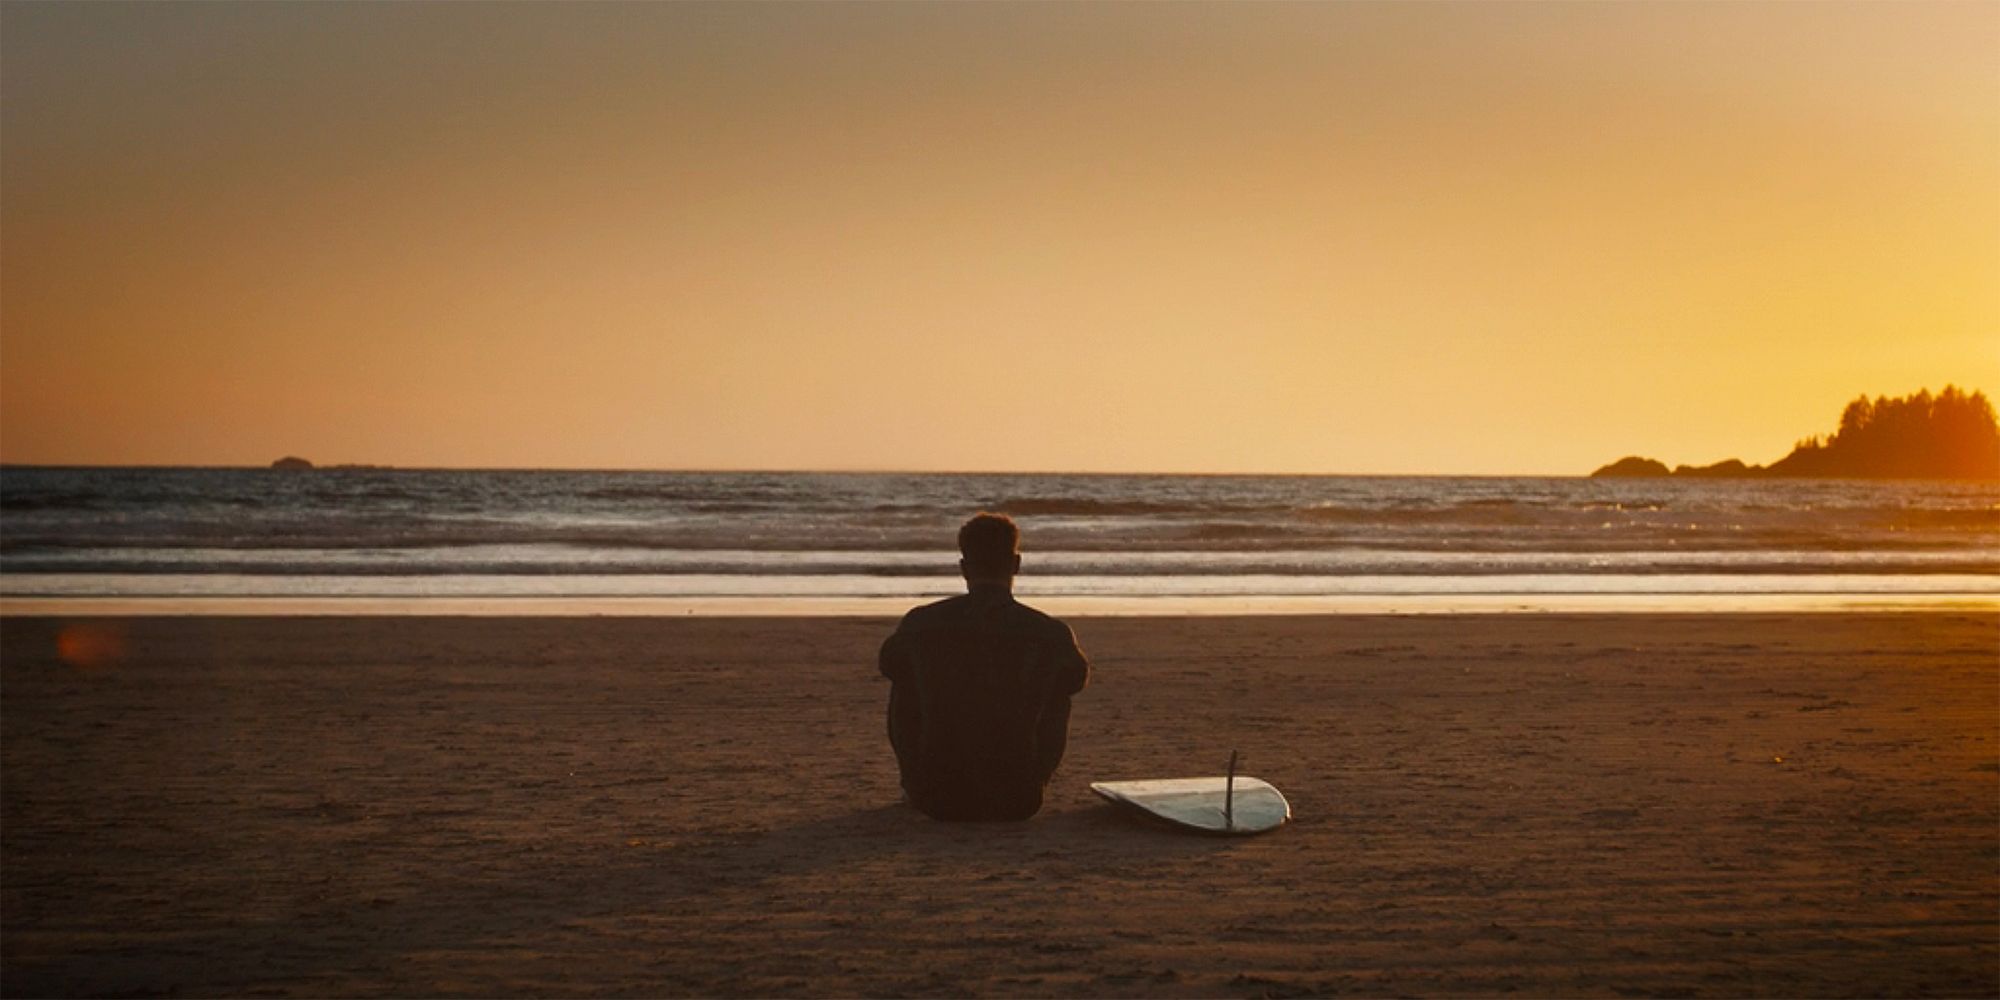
pixel 989 543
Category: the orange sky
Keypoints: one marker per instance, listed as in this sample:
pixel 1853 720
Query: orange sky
pixel 1421 238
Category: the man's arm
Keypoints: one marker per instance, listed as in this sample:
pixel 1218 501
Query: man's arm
pixel 1052 736
pixel 1072 666
pixel 1071 675
pixel 894 659
pixel 906 712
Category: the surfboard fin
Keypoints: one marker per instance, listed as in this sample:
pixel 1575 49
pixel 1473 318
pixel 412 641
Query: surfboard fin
pixel 1229 795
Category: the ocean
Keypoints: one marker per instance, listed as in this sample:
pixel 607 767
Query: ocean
pixel 878 541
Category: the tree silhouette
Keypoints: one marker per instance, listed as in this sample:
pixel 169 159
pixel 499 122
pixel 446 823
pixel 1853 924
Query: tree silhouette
pixel 1952 435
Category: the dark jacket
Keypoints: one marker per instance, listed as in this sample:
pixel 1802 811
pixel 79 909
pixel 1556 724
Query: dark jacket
pixel 979 706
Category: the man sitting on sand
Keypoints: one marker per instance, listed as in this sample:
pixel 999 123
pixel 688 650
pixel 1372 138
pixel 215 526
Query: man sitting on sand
pixel 979 707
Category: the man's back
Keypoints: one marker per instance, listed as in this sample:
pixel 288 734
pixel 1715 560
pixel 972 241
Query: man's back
pixel 979 712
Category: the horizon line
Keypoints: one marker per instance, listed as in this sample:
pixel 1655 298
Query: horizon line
pixel 763 470
pixel 373 467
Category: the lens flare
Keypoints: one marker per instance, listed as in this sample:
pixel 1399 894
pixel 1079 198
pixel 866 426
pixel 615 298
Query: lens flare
pixel 90 647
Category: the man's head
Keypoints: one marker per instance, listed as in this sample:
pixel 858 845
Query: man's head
pixel 989 549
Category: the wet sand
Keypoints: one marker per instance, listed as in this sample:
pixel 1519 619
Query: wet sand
pixel 1592 805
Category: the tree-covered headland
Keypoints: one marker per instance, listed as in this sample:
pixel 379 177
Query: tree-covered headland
pixel 1952 435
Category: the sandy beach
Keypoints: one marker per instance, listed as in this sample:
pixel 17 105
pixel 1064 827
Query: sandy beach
pixel 1550 805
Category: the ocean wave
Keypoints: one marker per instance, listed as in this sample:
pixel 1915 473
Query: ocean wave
pixel 1229 531
pixel 1474 512
pixel 1415 534
pixel 1983 518
pixel 685 493
pixel 1088 507
pixel 1190 563
pixel 24 502
pixel 217 521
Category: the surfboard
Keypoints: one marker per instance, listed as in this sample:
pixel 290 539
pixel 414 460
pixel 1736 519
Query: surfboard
pixel 1227 805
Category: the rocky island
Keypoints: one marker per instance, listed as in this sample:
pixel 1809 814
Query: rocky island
pixel 1952 435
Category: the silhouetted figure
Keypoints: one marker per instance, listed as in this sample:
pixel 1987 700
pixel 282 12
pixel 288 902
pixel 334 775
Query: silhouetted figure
pixel 979 705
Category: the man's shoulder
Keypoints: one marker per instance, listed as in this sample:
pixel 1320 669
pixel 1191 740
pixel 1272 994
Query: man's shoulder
pixel 955 611
pixel 936 614
pixel 1039 620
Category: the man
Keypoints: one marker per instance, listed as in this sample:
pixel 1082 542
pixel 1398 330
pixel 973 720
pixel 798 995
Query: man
pixel 979 704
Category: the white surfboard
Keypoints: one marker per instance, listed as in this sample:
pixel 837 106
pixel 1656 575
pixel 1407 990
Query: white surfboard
pixel 1226 805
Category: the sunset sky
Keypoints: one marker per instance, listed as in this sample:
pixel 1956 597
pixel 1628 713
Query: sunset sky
pixel 1347 238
